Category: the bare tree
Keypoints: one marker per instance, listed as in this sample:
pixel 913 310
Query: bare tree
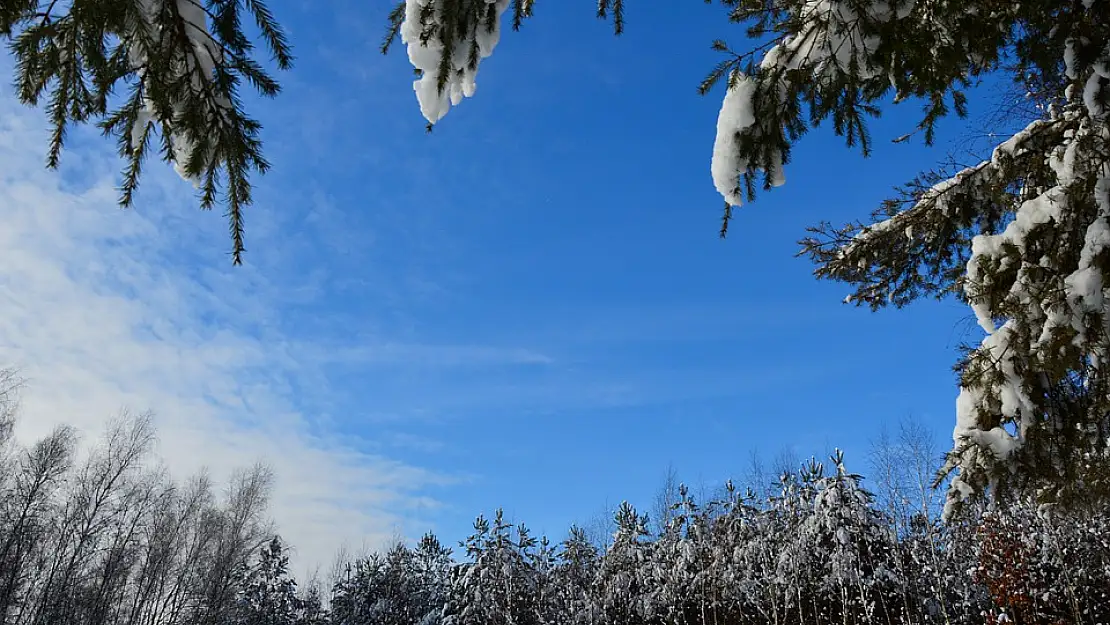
pixel 763 478
pixel 112 539
pixel 904 465
pixel 10 385
pixel 26 499
pixel 236 531
pixel 178 552
pixel 601 527
pixel 663 507
pixel 96 501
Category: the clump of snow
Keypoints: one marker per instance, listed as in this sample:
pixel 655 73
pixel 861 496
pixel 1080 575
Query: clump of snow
pixel 1092 94
pixel 1085 284
pixel 736 116
pixel 1034 212
pixel 198 63
pixel 425 55
pixel 1070 70
pixel 831 35
pixel 830 41
pixel 998 440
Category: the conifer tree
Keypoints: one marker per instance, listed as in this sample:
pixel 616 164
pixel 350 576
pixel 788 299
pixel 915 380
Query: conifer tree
pixel 141 69
pixel 572 580
pixel 398 587
pixel 848 543
pixel 677 573
pixel 432 564
pixel 622 580
pixel 740 552
pixel 499 585
pixel 1022 237
pixel 269 595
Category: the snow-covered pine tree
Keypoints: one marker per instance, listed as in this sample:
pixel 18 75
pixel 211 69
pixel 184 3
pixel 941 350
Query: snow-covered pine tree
pixel 680 587
pixel 432 566
pixel 138 68
pixel 1021 236
pixel 398 588
pixel 572 580
pixel 543 560
pixel 1080 549
pixel 799 584
pixel 401 586
pixel 498 585
pixel 310 607
pixel 741 560
pixel 849 543
pixel 268 594
pixel 623 582
pixel 936 564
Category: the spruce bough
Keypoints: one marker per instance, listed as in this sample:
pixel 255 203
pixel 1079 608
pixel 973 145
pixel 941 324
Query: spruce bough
pixel 142 69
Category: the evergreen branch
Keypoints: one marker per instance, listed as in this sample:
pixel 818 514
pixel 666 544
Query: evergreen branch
pixel 272 32
pixel 68 54
pixel 13 12
pixel 135 156
pixel 396 18
pixel 521 9
pixel 726 218
pixel 242 46
pixel 616 7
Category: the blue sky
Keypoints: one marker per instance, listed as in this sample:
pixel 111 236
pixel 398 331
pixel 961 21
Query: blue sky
pixel 528 308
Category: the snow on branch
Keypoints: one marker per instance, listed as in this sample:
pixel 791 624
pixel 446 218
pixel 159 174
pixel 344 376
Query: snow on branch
pixel 446 49
pixel 1024 238
pixel 827 40
pixel 195 63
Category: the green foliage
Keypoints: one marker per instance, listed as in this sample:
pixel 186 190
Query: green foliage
pixel 456 24
pixel 1017 236
pixel 135 66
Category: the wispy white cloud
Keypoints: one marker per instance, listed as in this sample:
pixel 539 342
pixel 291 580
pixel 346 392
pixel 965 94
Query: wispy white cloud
pixel 103 309
pixel 372 353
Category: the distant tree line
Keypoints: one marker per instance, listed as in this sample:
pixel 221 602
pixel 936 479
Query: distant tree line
pixel 108 540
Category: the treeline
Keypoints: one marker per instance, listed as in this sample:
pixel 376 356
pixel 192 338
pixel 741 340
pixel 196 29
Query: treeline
pixel 817 551
pixel 107 540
